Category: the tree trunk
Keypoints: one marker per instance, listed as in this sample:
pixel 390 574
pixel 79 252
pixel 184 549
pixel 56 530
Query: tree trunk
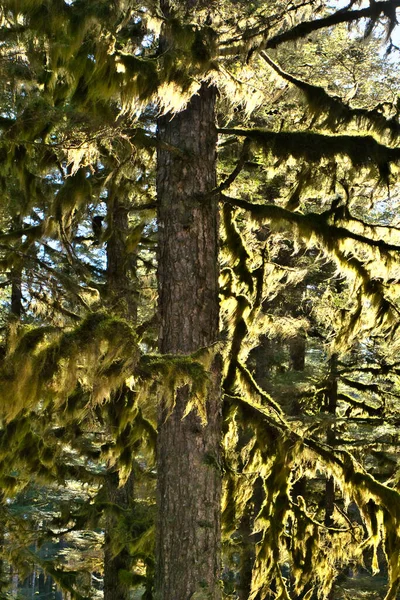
pixel 189 477
pixel 123 303
pixel 331 405
pixel 121 497
pixel 16 280
pixel 120 268
pixel 297 351
pixel 330 439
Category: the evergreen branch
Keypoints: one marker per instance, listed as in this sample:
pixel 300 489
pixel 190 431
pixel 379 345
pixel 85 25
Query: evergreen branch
pixel 361 387
pixel 301 507
pixel 384 369
pixel 362 150
pixel 317 223
pixel 338 112
pixel 371 410
pixel 237 248
pixel 73 287
pixel 373 12
pixel 256 410
pixel 300 30
pixel 332 238
pixel 316 421
pixel 343 464
pixel 253 385
pixel 243 158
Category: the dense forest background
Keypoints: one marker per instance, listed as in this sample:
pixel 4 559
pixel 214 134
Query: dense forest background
pixel 199 300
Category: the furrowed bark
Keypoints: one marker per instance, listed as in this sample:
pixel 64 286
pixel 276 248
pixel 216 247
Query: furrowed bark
pixel 189 477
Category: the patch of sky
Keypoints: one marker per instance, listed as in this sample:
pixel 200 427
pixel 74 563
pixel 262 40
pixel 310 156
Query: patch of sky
pixel 394 41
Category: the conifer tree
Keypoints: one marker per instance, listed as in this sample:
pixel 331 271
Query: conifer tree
pixel 114 66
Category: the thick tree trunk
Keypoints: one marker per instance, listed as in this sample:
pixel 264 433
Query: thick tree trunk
pixel 189 477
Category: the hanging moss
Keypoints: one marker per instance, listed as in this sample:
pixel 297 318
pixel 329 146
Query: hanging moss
pixel 334 240
pixel 335 111
pixel 175 371
pixel 363 151
pixel 52 368
pixel 238 251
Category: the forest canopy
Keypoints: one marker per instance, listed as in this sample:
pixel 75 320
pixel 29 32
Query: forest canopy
pixel 200 310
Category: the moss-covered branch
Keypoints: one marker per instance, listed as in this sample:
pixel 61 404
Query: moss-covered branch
pixel 362 150
pixel 337 112
pixel 310 224
pixel 334 241
pixel 386 8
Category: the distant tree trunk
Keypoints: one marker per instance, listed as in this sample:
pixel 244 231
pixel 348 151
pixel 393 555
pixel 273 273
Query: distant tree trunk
pixel 3 574
pixel 331 406
pixel 15 582
pixel 189 477
pixel 120 268
pixel 122 302
pixel 121 498
pixel 297 352
pixel 16 280
pixel 261 358
pixel 13 317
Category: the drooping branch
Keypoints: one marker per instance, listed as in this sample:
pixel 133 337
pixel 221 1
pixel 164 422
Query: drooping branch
pixel 362 150
pixel 337 111
pixel 387 8
pixel 334 240
pixel 317 224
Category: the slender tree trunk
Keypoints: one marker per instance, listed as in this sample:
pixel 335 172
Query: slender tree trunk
pixel 120 267
pixel 16 280
pixel 121 497
pixel 189 477
pixel 15 582
pixel 122 302
pixel 330 438
pixel 297 351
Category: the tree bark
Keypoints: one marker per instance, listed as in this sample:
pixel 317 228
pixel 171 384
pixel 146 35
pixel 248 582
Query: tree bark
pixel 189 476
pixel 297 352
pixel 120 268
pixel 120 497
pixel 331 405
pixel 123 303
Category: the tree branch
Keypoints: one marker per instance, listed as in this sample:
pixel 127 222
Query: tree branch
pixel 337 111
